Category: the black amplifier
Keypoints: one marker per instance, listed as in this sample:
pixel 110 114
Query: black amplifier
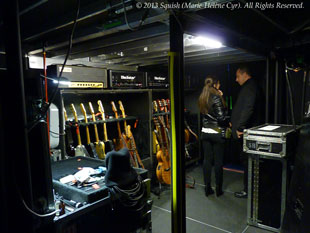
pixel 79 76
pixel 126 79
pixel 157 80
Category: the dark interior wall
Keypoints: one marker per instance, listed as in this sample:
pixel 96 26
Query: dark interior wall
pixel 226 73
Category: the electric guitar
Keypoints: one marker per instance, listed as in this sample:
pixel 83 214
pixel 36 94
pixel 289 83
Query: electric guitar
pixel 130 140
pixel 120 141
pixel 90 146
pixel 163 169
pixel 98 143
pixel 108 144
pixel 80 150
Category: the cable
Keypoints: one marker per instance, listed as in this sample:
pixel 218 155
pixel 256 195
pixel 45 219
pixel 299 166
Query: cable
pixel 47 105
pixel 60 134
pixel 141 21
pixel 39 215
pixel 291 96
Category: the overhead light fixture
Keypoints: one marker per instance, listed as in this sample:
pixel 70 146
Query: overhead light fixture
pixel 204 41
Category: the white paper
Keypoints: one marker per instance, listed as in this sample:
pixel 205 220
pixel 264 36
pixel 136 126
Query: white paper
pixel 269 127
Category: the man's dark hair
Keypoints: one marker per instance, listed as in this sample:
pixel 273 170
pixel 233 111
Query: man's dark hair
pixel 246 69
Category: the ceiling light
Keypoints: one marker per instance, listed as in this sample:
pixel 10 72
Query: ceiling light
pixel 204 41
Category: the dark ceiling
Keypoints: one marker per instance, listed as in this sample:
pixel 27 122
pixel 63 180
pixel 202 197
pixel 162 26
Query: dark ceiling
pixel 103 37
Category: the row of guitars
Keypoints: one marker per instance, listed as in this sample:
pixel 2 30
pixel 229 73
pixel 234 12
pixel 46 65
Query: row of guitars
pixel 162 126
pixel 98 149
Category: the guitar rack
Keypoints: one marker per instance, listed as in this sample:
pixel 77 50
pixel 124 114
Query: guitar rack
pixel 101 121
pixel 160 114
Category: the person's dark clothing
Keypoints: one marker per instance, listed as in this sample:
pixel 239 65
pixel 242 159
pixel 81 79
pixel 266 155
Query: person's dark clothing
pixel 217 114
pixel 247 110
pixel 246 113
pixel 213 143
pixel 213 149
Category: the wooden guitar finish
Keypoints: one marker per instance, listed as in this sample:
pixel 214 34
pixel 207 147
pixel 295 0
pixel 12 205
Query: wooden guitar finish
pixel 119 142
pixel 163 170
pixel 133 158
pixel 90 146
pixel 99 145
pixel 80 150
pixel 108 144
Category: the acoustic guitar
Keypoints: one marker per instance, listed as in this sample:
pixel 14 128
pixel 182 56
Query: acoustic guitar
pixel 90 146
pixel 108 144
pixel 99 145
pixel 165 104
pixel 163 169
pixel 80 149
pixel 119 142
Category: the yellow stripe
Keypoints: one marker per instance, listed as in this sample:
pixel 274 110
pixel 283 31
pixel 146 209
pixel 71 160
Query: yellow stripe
pixel 172 55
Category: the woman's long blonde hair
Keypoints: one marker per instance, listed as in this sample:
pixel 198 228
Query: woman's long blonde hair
pixel 204 102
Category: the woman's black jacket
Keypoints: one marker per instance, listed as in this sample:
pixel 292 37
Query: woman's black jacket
pixel 217 116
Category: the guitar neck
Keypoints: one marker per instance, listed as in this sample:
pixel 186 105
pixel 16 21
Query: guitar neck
pixel 118 126
pixel 105 132
pixel 77 126
pixel 95 128
pixel 86 121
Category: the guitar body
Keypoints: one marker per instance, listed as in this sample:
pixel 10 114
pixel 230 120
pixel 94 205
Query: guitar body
pixel 100 150
pixel 159 168
pixel 108 146
pixel 80 150
pixel 166 169
pixel 186 136
pixel 92 150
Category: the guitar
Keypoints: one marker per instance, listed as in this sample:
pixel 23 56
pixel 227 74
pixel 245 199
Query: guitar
pixel 68 138
pixel 98 143
pixel 120 141
pixel 130 140
pixel 163 169
pixel 162 121
pixel 165 104
pixel 80 150
pixel 108 144
pixel 90 146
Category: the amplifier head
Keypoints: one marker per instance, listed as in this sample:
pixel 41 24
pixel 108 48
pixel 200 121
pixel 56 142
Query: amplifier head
pixel 79 76
pixel 126 79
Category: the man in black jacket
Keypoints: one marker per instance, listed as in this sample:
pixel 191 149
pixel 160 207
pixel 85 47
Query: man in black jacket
pixel 245 114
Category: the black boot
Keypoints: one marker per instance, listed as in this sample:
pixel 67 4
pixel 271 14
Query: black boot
pixel 218 190
pixel 208 190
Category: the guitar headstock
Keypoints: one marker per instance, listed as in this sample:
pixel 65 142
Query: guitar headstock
pixel 121 107
pixel 101 109
pixel 161 105
pixel 114 109
pixel 165 104
pixel 168 104
pixel 83 111
pixel 74 112
pixel 155 107
pixel 91 109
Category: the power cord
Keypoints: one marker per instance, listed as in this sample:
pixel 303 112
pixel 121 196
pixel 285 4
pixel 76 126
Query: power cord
pixel 46 106
pixel 146 12
pixel 36 214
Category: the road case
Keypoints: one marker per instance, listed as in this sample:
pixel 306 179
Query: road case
pixel 270 140
pixel 270 149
